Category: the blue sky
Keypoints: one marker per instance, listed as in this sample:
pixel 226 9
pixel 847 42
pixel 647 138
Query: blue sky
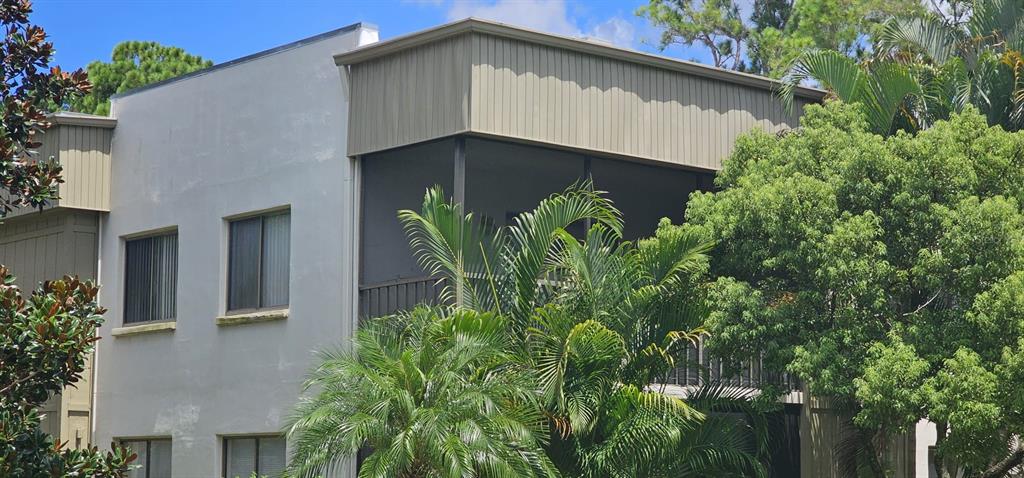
pixel 221 30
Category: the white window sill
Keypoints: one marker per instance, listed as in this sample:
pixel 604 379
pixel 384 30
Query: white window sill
pixel 252 317
pixel 144 328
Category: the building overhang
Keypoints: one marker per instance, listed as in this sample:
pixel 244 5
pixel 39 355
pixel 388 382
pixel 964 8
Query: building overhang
pixel 488 79
pixel 476 25
pixel 81 119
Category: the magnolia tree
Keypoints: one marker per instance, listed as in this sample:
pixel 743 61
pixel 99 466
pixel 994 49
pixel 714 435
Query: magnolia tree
pixel 44 338
pixel 887 273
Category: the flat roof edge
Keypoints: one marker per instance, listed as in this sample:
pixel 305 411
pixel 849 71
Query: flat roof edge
pixel 488 27
pixel 248 58
pixel 80 119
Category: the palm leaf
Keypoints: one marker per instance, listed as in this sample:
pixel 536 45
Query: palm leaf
pixel 533 234
pixel 926 35
pixel 830 69
pixel 449 244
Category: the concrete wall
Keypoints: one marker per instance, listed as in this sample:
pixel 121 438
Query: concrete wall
pixel 39 246
pixel 262 132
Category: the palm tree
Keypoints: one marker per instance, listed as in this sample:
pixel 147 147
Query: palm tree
pixel 882 88
pixel 431 394
pixel 925 68
pixel 977 62
pixel 599 319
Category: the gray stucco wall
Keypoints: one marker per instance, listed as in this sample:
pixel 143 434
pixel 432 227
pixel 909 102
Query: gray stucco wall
pixel 260 134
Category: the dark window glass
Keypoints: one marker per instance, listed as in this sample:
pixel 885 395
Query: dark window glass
pixel 154 458
pixel 258 259
pixel 243 456
pixel 151 278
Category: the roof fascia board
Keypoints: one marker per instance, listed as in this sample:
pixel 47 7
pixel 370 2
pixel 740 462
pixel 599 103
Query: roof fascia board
pixel 92 121
pixel 475 25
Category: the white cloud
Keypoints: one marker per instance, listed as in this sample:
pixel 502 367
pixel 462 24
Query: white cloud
pixel 545 15
pixel 551 16
pixel 616 31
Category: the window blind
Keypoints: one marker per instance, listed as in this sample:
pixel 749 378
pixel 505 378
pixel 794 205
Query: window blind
pixel 151 278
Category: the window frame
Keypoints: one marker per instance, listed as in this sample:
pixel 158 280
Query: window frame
pixel 149 456
pixel 256 456
pixel 262 216
pixel 154 233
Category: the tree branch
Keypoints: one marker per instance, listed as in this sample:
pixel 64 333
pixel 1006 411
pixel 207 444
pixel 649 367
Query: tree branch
pixel 1005 465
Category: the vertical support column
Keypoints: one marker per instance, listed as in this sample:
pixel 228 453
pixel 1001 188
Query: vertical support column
pixel 587 177
pixel 459 197
pixel 353 236
pixel 459 180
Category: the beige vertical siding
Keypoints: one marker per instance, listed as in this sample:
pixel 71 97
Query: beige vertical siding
pixel 413 96
pixel 85 157
pixel 506 87
pixel 39 246
pixel 823 432
pixel 552 95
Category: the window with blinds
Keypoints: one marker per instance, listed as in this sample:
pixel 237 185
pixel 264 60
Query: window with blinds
pixel 151 278
pixel 258 260
pixel 244 456
pixel 153 460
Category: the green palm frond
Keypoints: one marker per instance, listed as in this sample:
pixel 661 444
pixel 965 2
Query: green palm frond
pixel 880 88
pixel 430 394
pixel 888 87
pixel 927 35
pixel 533 235
pixel 639 433
pixel 450 244
pixel 540 364
pixel 834 71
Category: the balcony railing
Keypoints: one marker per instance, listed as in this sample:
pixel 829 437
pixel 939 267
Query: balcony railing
pixel 387 298
pixel 700 367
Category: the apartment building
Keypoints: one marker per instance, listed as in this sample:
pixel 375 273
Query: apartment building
pixel 248 211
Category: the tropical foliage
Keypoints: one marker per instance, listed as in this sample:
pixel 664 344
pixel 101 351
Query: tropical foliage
pixel 885 272
pixel 774 32
pixel 432 394
pixel 926 67
pixel 581 328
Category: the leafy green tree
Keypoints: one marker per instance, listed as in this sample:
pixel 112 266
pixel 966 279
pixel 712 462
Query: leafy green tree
pixel 928 66
pixel 776 31
pixel 714 24
pixel 886 272
pixel 45 341
pixel 28 88
pixel 134 64
pixel 45 338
